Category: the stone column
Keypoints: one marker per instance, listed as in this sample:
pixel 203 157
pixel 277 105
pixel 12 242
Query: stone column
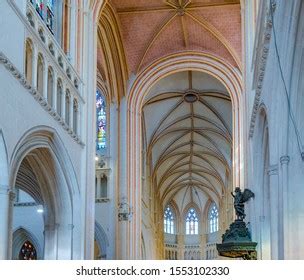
pixel 203 246
pixel 283 208
pixel 274 206
pixel 98 189
pixel 126 228
pixel 34 68
pixel 71 111
pixel 12 197
pixel 4 221
pixel 54 92
pixel 50 242
pixel 180 246
pixel 65 241
pixel 45 80
pixel 78 132
pixel 63 102
pixel 73 31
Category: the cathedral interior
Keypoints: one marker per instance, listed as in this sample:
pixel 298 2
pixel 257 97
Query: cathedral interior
pixel 128 128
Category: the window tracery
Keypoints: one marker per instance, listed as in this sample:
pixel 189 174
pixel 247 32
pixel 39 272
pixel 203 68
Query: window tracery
pixel 191 222
pixel 168 220
pixel 213 218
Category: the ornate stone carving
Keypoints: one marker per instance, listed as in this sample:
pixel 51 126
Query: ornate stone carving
pixel 124 210
pixel 261 60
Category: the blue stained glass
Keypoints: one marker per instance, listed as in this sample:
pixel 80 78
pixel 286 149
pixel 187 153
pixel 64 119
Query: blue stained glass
pixel 50 4
pixel 50 14
pixel 101 121
pixel 39 7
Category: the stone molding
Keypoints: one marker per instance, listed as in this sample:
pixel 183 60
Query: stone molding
pixel 260 57
pixel 25 204
pixel 10 67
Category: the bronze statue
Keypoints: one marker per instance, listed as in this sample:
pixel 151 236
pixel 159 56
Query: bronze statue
pixel 236 241
pixel 239 202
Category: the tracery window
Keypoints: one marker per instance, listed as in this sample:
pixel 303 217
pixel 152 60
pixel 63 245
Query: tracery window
pixel 101 121
pixel 191 222
pixel 50 14
pixel 28 251
pixel 213 218
pixel 168 220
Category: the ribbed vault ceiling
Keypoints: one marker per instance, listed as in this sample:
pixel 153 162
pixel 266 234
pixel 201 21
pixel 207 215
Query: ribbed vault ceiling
pixel 187 123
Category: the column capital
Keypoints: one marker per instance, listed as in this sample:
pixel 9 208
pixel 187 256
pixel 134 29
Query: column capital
pixel 273 170
pixel 12 195
pixel 284 159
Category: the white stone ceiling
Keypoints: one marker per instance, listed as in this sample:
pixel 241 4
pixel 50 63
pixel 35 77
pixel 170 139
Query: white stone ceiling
pixel 187 121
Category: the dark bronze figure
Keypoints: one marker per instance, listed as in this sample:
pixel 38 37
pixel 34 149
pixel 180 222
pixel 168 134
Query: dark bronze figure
pixel 239 202
pixel 236 241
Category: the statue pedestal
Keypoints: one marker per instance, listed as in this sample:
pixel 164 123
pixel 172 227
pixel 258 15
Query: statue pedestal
pixel 237 243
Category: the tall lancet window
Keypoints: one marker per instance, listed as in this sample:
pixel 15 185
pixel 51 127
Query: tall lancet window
pixel 168 220
pixel 101 119
pixel 50 14
pixel 213 218
pixel 191 222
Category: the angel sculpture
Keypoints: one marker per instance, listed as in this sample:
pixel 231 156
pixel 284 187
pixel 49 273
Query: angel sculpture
pixel 239 202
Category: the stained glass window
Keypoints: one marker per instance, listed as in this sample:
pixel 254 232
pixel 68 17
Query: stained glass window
pixel 50 14
pixel 46 8
pixel 28 252
pixel 213 218
pixel 191 222
pixel 38 4
pixel 168 220
pixel 101 121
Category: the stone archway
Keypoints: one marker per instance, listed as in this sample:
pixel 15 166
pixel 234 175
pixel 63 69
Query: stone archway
pixel 56 189
pixel 200 62
pixel 22 235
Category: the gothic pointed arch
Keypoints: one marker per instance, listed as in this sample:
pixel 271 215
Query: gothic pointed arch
pixel 102 241
pixel 111 52
pixel 42 148
pixel 230 78
pixel 192 219
pixel 20 237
